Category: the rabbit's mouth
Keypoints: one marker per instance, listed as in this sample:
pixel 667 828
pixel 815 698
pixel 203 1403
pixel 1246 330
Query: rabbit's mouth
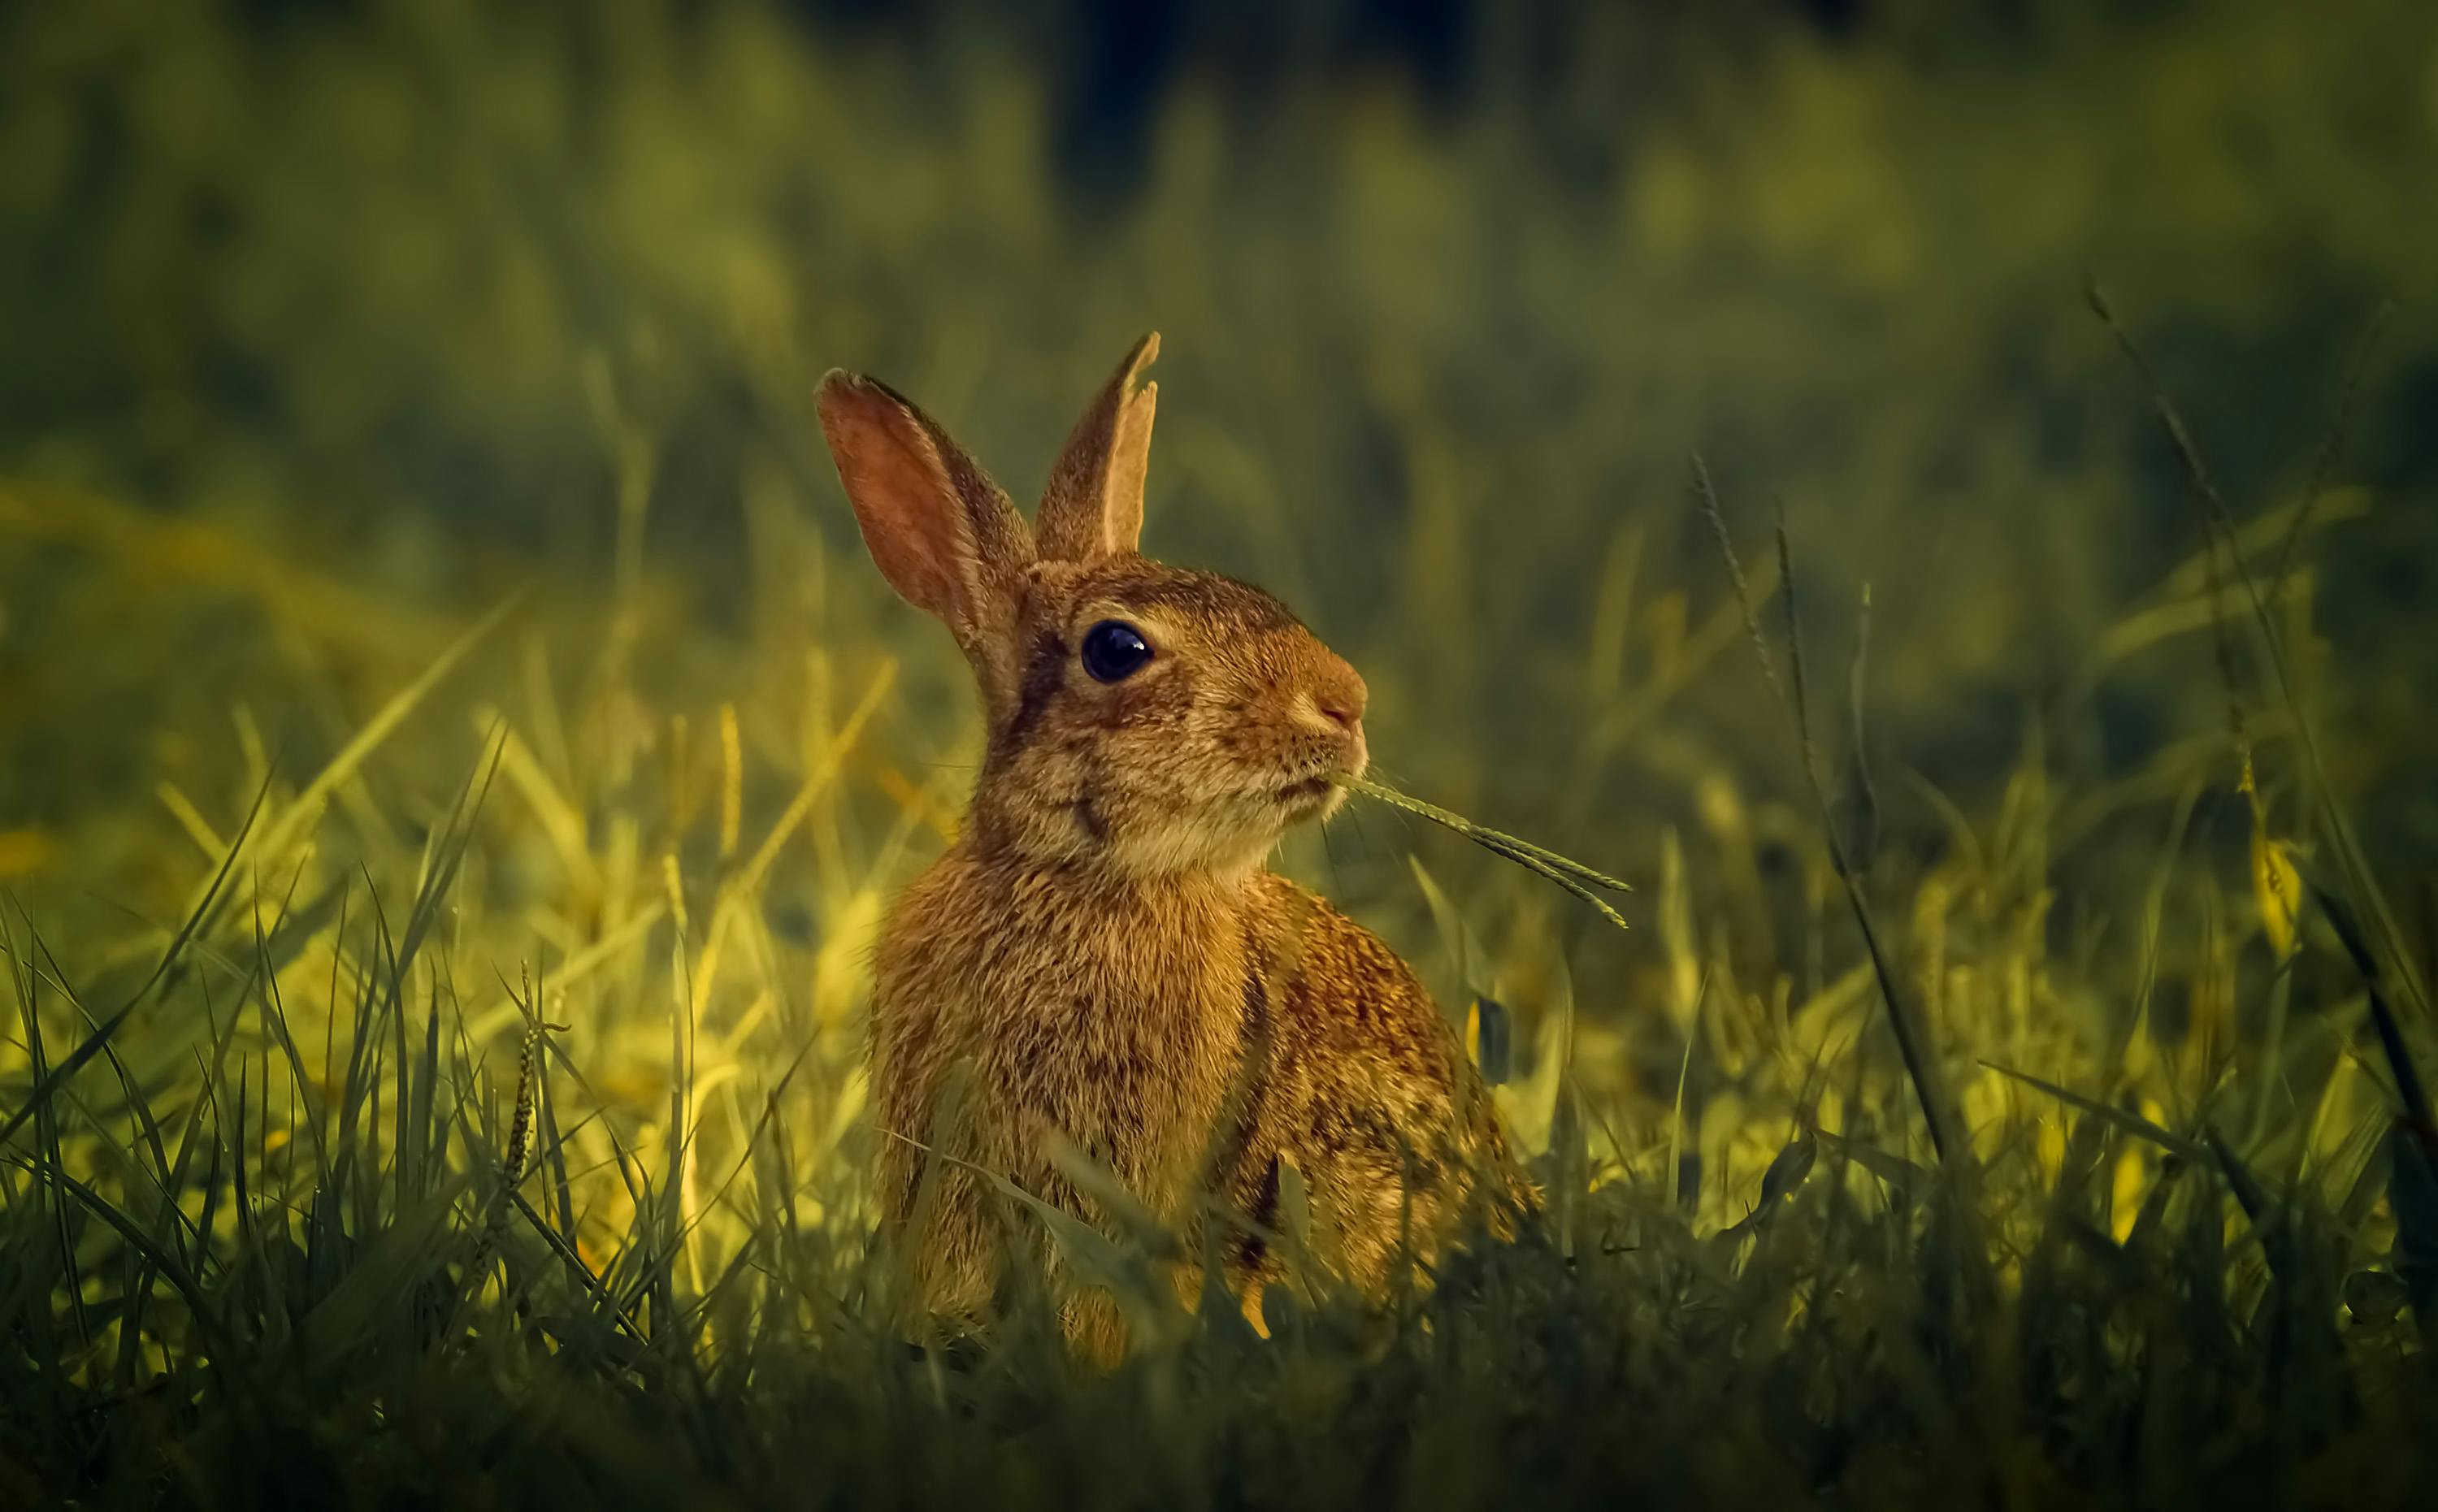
pixel 1311 797
pixel 1311 790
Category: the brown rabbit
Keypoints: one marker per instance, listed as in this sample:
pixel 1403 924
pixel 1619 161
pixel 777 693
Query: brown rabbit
pixel 1101 947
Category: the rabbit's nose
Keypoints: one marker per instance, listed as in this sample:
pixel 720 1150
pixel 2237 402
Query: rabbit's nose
pixel 1341 697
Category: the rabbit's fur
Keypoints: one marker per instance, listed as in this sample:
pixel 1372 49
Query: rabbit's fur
pixel 1102 948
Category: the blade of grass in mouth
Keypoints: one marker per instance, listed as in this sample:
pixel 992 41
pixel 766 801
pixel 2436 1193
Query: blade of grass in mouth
pixel 1570 874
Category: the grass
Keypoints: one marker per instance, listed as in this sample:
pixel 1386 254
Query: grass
pixel 454 756
pixel 312 1195
pixel 346 1330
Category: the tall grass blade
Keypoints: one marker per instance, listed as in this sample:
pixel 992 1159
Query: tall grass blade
pixel 49 1081
pixel 1938 1108
pixel 2132 1123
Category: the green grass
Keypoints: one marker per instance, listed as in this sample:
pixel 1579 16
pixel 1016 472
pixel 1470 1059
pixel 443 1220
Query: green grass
pixel 365 1309
pixel 337 1189
pixel 453 754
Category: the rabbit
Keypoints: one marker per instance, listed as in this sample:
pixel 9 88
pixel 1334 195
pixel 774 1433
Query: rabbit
pixel 1101 955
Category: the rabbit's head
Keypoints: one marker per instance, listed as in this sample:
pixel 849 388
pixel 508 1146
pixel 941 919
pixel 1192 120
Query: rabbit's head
pixel 1143 718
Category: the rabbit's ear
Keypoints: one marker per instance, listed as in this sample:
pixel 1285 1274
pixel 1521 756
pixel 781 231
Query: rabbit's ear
pixel 1094 505
pixel 943 535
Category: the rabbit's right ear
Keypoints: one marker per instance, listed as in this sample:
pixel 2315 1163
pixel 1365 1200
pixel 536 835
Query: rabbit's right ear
pixel 943 533
pixel 1094 505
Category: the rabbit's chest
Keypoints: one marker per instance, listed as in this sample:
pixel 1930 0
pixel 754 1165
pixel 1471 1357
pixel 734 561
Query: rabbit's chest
pixel 1125 1048
pixel 1116 1026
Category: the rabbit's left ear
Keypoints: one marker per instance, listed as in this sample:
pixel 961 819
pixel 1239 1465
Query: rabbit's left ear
pixel 941 532
pixel 1094 505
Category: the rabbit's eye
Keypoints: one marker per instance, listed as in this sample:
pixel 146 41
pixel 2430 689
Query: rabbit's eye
pixel 1113 650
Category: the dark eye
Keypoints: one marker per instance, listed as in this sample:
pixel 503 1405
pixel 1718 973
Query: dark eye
pixel 1113 650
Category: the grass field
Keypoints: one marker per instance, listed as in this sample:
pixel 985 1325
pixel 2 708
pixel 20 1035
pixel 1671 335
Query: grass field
pixel 453 752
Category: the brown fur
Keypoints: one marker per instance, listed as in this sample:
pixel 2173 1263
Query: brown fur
pixel 1102 948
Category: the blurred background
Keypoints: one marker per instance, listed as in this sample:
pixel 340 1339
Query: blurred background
pixel 328 326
